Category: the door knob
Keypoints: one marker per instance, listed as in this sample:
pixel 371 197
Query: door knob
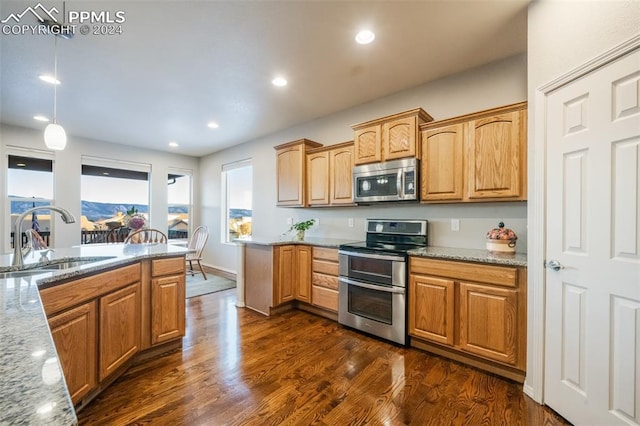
pixel 554 264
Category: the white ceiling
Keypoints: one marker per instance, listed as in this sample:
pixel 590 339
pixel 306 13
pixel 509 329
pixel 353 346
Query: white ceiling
pixel 180 64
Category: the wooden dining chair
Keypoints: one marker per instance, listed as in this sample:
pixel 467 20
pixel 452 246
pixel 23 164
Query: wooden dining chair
pixel 146 236
pixel 118 235
pixel 196 243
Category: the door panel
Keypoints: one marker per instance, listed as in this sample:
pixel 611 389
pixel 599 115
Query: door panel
pixel 592 331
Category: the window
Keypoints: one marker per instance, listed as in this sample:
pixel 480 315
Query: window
pixel 109 191
pixel 179 204
pixel 30 184
pixel 237 192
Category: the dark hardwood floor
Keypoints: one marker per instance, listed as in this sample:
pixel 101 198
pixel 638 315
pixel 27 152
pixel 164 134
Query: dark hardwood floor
pixel 240 368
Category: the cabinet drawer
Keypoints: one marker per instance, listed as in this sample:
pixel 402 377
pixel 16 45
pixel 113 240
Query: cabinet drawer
pixel 325 254
pixel 326 281
pixel 172 265
pixel 323 267
pixel 324 298
pixel 497 275
pixel 63 296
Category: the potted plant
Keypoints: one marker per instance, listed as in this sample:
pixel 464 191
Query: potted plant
pixel 300 227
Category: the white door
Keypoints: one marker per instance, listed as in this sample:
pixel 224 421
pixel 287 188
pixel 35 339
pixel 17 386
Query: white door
pixel 592 340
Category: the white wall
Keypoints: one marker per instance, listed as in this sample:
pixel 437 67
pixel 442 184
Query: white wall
pixel 496 84
pixel 67 171
pixel 562 35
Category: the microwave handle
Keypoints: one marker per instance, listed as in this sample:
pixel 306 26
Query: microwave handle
pixel 373 287
pixel 400 184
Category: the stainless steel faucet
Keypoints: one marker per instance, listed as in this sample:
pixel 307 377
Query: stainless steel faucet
pixel 18 260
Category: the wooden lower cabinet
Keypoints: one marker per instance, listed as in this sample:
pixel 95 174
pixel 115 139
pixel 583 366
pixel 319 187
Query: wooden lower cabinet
pixel 324 278
pixel 167 308
pixel 100 322
pixel 286 274
pixel 74 334
pixel 303 276
pixel 119 328
pixel 470 312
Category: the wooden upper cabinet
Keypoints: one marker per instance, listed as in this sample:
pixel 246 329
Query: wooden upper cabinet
pixel 401 138
pixel 476 157
pixel 318 178
pixel 442 169
pixel 291 172
pixel 329 175
pixel 496 156
pixel 389 138
pixel 368 144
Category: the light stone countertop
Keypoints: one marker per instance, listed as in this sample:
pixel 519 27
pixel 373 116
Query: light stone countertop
pixel 472 255
pixel 32 386
pixel 310 241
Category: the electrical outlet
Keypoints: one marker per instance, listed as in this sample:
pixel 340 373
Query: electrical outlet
pixel 317 224
pixel 289 221
pixel 350 222
pixel 455 224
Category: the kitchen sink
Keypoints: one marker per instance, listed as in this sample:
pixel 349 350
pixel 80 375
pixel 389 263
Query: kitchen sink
pixel 66 264
pixel 20 274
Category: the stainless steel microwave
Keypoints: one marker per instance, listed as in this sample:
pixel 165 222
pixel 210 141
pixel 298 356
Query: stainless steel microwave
pixel 389 181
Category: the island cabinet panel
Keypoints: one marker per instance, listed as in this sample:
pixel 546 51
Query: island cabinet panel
pixel 74 334
pixel 167 308
pixel 291 172
pixel 324 278
pixel 471 312
pixel 431 308
pixel 119 328
pixel 442 169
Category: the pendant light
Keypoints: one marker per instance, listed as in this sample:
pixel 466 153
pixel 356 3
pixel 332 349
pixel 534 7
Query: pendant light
pixel 54 135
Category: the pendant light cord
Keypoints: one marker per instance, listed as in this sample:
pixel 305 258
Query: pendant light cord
pixel 55 77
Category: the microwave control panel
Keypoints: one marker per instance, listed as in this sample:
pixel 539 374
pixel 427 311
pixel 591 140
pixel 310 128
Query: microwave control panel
pixel 410 182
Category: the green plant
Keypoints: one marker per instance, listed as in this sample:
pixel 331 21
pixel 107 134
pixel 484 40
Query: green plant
pixel 302 226
pixel 132 211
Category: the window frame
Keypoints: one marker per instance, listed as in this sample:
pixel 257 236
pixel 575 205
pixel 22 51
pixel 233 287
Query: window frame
pixel 224 225
pixel 182 172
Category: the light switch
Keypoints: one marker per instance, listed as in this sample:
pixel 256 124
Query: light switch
pixel 289 221
pixel 455 224
pixel 350 222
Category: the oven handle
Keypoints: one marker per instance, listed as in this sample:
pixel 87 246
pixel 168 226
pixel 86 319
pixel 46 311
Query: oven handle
pixel 372 256
pixel 386 289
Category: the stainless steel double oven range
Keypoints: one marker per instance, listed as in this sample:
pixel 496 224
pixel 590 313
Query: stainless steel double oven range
pixel 373 278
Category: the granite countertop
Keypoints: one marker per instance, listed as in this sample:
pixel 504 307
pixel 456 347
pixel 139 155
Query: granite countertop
pixel 310 241
pixel 472 255
pixel 32 386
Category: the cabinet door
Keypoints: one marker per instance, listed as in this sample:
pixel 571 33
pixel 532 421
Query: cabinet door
pixel 303 288
pixel 488 322
pixel 442 165
pixel 341 175
pixel 431 308
pixel 167 308
pixel 368 145
pixel 318 178
pixel 74 334
pixel 286 274
pixel 119 328
pixel 496 156
pixel 399 138
pixel 290 175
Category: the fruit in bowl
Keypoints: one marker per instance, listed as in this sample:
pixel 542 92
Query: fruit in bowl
pixel 501 239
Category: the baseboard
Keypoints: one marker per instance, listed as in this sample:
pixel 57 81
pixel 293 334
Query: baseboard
pixel 218 271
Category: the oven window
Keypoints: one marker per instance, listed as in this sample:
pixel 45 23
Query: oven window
pixel 372 304
pixel 376 270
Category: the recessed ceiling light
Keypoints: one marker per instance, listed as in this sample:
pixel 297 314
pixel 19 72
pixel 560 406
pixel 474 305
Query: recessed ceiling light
pixel 21 165
pixel 365 37
pixel 49 79
pixel 173 144
pixel 40 118
pixel 213 125
pixel 279 81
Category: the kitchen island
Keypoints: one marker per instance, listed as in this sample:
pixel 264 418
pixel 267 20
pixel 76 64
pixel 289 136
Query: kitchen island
pixel 34 390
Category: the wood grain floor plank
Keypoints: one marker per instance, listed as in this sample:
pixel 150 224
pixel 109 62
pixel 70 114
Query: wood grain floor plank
pixel 238 367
